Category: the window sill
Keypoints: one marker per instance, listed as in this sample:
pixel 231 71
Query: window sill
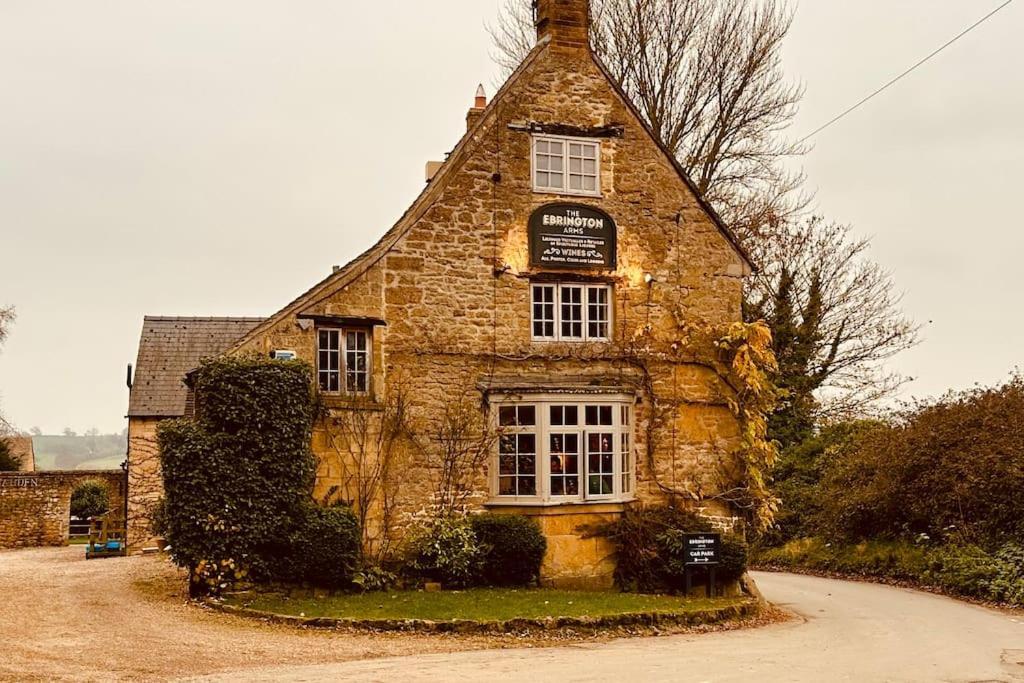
pixel 567 193
pixel 351 402
pixel 561 508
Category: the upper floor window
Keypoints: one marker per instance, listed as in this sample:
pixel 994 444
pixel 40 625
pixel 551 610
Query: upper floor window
pixel 566 165
pixel 343 360
pixel 571 312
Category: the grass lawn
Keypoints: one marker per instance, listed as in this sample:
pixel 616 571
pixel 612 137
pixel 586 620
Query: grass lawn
pixel 483 604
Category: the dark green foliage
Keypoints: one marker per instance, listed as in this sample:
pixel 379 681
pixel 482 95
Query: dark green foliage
pixel 323 549
pixel 513 548
pixel 650 548
pixel 447 551
pixel 967 570
pixel 8 461
pixel 238 478
pixel 89 499
pixel 796 477
pixel 952 470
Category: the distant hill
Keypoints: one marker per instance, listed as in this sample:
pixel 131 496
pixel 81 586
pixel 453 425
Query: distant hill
pixel 80 452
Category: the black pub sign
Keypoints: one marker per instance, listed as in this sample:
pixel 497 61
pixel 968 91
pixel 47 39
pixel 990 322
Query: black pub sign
pixel 702 549
pixel 572 236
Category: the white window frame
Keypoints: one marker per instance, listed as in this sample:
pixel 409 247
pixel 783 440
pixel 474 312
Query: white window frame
pixel 566 163
pixel 620 430
pixel 586 319
pixel 343 351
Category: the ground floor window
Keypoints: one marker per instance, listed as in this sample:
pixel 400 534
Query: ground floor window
pixel 564 450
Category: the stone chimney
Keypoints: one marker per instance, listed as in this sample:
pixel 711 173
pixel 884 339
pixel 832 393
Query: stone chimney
pixel 479 104
pixel 565 22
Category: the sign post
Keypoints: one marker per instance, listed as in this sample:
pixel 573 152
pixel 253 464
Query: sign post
pixel 701 550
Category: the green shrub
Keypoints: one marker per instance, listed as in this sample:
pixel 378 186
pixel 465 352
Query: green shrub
pixel 238 478
pixel 650 548
pixel 8 461
pixel 967 570
pixel 89 499
pixel 513 547
pixel 447 551
pixel 323 549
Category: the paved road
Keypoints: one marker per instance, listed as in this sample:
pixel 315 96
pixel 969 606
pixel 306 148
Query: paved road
pixel 847 632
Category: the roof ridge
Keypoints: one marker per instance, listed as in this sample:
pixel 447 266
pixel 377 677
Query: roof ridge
pixel 216 319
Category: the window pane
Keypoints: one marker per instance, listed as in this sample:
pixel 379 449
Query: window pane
pixel 527 486
pixel 527 443
pixel 572 415
pixel 575 182
pixel 543 180
pixel 556 180
pixel 589 166
pixel 556 148
pixel 589 184
pixel 527 415
pixel 557 164
pixel 575 165
pixel 506 416
pixel 575 149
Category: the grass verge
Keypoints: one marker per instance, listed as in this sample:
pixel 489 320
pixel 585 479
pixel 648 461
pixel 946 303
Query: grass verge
pixel 484 605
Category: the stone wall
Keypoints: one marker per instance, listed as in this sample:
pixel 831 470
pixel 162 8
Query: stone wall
pixel 452 283
pixel 145 480
pixel 35 508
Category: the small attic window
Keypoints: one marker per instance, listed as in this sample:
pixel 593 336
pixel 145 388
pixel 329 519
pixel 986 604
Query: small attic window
pixel 565 165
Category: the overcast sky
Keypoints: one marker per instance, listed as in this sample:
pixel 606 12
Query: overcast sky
pixel 217 157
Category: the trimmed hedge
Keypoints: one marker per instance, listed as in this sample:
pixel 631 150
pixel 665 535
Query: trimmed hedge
pixel 238 478
pixel 324 548
pixel 447 551
pixel 513 549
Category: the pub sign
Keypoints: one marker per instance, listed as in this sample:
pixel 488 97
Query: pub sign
pixel 572 236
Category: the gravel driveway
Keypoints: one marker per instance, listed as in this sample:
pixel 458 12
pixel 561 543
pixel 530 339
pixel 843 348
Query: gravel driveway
pixel 65 618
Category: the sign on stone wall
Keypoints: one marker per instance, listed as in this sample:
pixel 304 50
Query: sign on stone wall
pixel 572 236
pixel 19 482
pixel 702 549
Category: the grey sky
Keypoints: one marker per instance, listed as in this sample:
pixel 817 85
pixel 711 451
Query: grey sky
pixel 216 158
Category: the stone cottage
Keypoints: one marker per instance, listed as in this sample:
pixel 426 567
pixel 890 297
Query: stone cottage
pixel 556 238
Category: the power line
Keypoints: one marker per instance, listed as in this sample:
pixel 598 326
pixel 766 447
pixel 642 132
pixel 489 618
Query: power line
pixel 907 72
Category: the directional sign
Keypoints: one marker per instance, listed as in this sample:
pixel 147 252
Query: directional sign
pixel 702 549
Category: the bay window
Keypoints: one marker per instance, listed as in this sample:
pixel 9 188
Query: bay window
pixel 564 450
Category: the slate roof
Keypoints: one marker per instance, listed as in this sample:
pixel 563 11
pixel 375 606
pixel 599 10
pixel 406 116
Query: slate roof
pixel 168 349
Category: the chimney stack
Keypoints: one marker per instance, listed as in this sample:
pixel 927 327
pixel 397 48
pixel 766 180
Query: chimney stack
pixel 479 104
pixel 565 22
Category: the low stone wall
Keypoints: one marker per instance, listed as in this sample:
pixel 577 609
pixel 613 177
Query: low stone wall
pixel 35 507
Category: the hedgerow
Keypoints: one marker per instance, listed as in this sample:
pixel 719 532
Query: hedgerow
pixel 238 477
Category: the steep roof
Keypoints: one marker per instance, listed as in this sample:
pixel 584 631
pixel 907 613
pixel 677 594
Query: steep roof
pixel 363 262
pixel 168 349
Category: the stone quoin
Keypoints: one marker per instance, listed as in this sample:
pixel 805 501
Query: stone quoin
pixel 450 302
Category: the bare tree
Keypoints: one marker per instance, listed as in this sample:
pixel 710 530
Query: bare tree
pixel 461 442
pixel 369 440
pixel 835 318
pixel 707 77
pixel 6 319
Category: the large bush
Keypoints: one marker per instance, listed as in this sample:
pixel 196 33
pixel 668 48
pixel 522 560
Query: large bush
pixel 323 549
pixel 513 549
pixel 89 499
pixel 967 570
pixel 952 469
pixel 239 476
pixel 650 549
pixel 447 551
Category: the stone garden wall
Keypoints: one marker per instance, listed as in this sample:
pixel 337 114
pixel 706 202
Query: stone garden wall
pixel 35 506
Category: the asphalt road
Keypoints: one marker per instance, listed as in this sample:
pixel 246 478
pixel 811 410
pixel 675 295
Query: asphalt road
pixel 846 632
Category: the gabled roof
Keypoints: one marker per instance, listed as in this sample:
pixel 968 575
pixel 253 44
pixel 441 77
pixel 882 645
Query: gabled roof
pixel 359 265
pixel 171 347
